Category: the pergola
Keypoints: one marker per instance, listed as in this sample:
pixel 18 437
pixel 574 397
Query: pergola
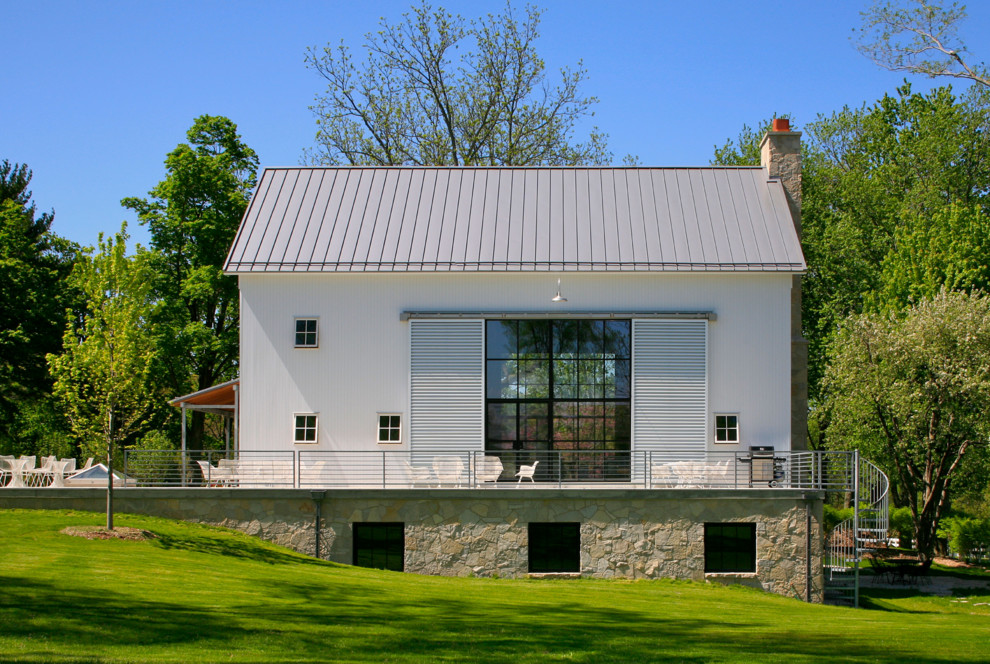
pixel 220 399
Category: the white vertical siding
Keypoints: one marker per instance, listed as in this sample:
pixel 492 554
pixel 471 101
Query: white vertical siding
pixel 670 385
pixel 446 381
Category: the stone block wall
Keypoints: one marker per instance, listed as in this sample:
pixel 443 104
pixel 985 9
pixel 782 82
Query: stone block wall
pixel 625 534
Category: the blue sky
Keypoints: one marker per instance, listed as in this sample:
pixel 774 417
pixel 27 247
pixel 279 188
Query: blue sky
pixel 97 93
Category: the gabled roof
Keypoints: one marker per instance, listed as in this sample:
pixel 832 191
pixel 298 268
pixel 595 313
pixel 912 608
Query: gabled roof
pixel 437 219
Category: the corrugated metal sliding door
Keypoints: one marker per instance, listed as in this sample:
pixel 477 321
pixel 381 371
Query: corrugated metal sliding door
pixel 447 385
pixel 670 386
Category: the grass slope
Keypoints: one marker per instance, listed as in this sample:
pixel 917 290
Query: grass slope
pixel 209 595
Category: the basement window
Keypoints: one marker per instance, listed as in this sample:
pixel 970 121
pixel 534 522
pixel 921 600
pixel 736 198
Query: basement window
pixel 730 548
pixel 554 547
pixel 380 545
pixel 307 332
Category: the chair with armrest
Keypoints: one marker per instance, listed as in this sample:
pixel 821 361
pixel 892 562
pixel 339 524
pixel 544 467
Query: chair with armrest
pixel 527 472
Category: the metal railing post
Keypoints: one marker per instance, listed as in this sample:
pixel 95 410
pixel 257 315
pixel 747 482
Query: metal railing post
pixel 383 468
pixel 125 467
pixel 856 528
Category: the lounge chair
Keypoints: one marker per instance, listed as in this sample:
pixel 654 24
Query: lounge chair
pixel 418 474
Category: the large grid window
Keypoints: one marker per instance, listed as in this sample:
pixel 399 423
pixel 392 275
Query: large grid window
pixel 307 333
pixel 730 547
pixel 389 428
pixel 560 385
pixel 379 545
pixel 304 428
pixel 726 428
pixel 554 547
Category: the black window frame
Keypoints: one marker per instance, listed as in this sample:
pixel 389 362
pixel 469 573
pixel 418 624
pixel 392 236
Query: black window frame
pixel 730 548
pixel 383 542
pixel 572 379
pixel 554 547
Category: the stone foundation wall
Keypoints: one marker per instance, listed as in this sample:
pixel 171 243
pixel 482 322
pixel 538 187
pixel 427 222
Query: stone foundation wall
pixel 624 534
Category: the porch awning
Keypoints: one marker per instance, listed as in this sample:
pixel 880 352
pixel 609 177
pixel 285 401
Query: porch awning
pixel 222 396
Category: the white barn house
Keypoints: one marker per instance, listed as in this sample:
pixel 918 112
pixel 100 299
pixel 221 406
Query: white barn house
pixel 538 370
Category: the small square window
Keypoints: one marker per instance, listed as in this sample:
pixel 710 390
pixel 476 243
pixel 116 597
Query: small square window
pixel 307 333
pixel 389 428
pixel 379 545
pixel 730 547
pixel 726 428
pixel 554 547
pixel 304 430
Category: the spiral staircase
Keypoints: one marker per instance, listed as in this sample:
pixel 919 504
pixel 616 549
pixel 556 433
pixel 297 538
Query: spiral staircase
pixel 846 544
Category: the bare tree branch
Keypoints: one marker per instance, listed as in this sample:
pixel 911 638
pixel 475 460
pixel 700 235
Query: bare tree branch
pixel 919 37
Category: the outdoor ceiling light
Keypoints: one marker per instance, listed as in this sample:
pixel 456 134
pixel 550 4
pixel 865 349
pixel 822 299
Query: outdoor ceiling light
pixel 558 297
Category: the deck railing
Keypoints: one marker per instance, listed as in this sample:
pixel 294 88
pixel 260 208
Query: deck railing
pixel 376 469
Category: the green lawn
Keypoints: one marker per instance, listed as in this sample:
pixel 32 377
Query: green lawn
pixel 199 594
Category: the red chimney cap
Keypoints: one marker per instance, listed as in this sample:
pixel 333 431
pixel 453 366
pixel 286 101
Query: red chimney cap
pixel 781 124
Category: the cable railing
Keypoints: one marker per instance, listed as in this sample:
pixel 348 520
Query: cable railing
pixel 444 468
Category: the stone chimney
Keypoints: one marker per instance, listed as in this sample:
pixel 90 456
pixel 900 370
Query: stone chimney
pixel 780 155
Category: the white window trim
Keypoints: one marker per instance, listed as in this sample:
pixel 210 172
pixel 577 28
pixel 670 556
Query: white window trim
pixel 715 427
pixel 295 322
pixel 378 428
pixel 316 429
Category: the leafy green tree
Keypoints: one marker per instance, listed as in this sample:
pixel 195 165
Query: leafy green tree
pixel 34 263
pixel 912 391
pixel 193 215
pixel 947 250
pixel 437 89
pixel 866 171
pixel 107 374
pixel 919 37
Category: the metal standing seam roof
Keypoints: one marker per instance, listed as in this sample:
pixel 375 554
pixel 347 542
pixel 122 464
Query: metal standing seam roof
pixel 439 219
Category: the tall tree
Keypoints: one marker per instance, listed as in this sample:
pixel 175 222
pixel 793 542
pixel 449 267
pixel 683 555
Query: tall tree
pixel 913 390
pixel 416 101
pixel 193 215
pixel 866 171
pixel 107 374
pixel 34 263
pixel 919 37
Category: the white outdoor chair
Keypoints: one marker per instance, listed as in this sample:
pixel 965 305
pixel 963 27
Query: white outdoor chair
pixel 57 469
pixel 662 475
pixel 214 475
pixel 5 468
pixel 418 474
pixel 28 462
pixel 448 469
pixel 527 472
pixel 70 465
pixel 47 461
pixel 89 464
pixel 489 469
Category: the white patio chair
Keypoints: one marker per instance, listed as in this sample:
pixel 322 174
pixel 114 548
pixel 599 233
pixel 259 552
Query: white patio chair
pixel 57 470
pixel 418 474
pixel 89 464
pixel 213 475
pixel 663 475
pixel 527 472
pixel 28 462
pixel 5 468
pixel 489 469
pixel 70 465
pixel 448 469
